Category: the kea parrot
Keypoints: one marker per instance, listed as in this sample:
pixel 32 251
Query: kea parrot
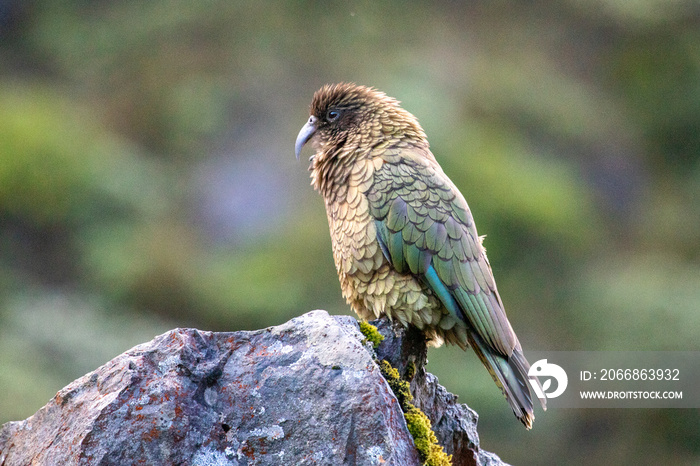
pixel 404 240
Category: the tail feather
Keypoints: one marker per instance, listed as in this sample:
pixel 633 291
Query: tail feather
pixel 510 374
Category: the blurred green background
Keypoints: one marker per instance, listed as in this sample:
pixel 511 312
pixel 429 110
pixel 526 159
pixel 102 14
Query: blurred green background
pixel 148 181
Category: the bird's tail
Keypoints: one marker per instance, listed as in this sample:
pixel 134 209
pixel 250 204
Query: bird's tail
pixel 510 374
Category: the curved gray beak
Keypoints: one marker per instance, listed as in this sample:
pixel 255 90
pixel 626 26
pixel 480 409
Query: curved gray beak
pixel 305 134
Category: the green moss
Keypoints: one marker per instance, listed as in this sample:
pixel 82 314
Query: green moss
pixel 410 371
pixel 401 388
pixel 419 426
pixel 371 334
pixel 430 451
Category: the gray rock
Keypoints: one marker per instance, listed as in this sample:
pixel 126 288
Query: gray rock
pixel 307 392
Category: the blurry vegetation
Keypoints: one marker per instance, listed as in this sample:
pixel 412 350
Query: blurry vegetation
pixel 147 181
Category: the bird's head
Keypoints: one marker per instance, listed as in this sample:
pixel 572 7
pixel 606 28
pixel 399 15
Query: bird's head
pixel 348 116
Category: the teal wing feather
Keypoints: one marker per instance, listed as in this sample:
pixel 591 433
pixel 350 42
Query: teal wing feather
pixel 425 228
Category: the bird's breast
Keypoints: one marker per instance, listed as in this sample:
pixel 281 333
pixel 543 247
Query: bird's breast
pixel 368 281
pixel 353 232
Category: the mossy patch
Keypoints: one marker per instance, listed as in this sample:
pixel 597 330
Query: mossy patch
pixel 426 442
pixel 410 371
pixel 401 388
pixel 419 426
pixel 371 334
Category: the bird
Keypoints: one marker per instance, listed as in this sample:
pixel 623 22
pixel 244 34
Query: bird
pixel 403 237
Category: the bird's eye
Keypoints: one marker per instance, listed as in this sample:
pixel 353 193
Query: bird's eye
pixel 332 115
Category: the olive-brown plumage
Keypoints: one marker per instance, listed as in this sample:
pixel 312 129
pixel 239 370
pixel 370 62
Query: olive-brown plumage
pixel 404 241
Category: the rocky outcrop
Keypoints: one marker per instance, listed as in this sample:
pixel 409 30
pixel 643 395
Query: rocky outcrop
pixel 307 392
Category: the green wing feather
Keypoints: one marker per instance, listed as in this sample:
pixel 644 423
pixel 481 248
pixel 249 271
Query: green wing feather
pixel 425 228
